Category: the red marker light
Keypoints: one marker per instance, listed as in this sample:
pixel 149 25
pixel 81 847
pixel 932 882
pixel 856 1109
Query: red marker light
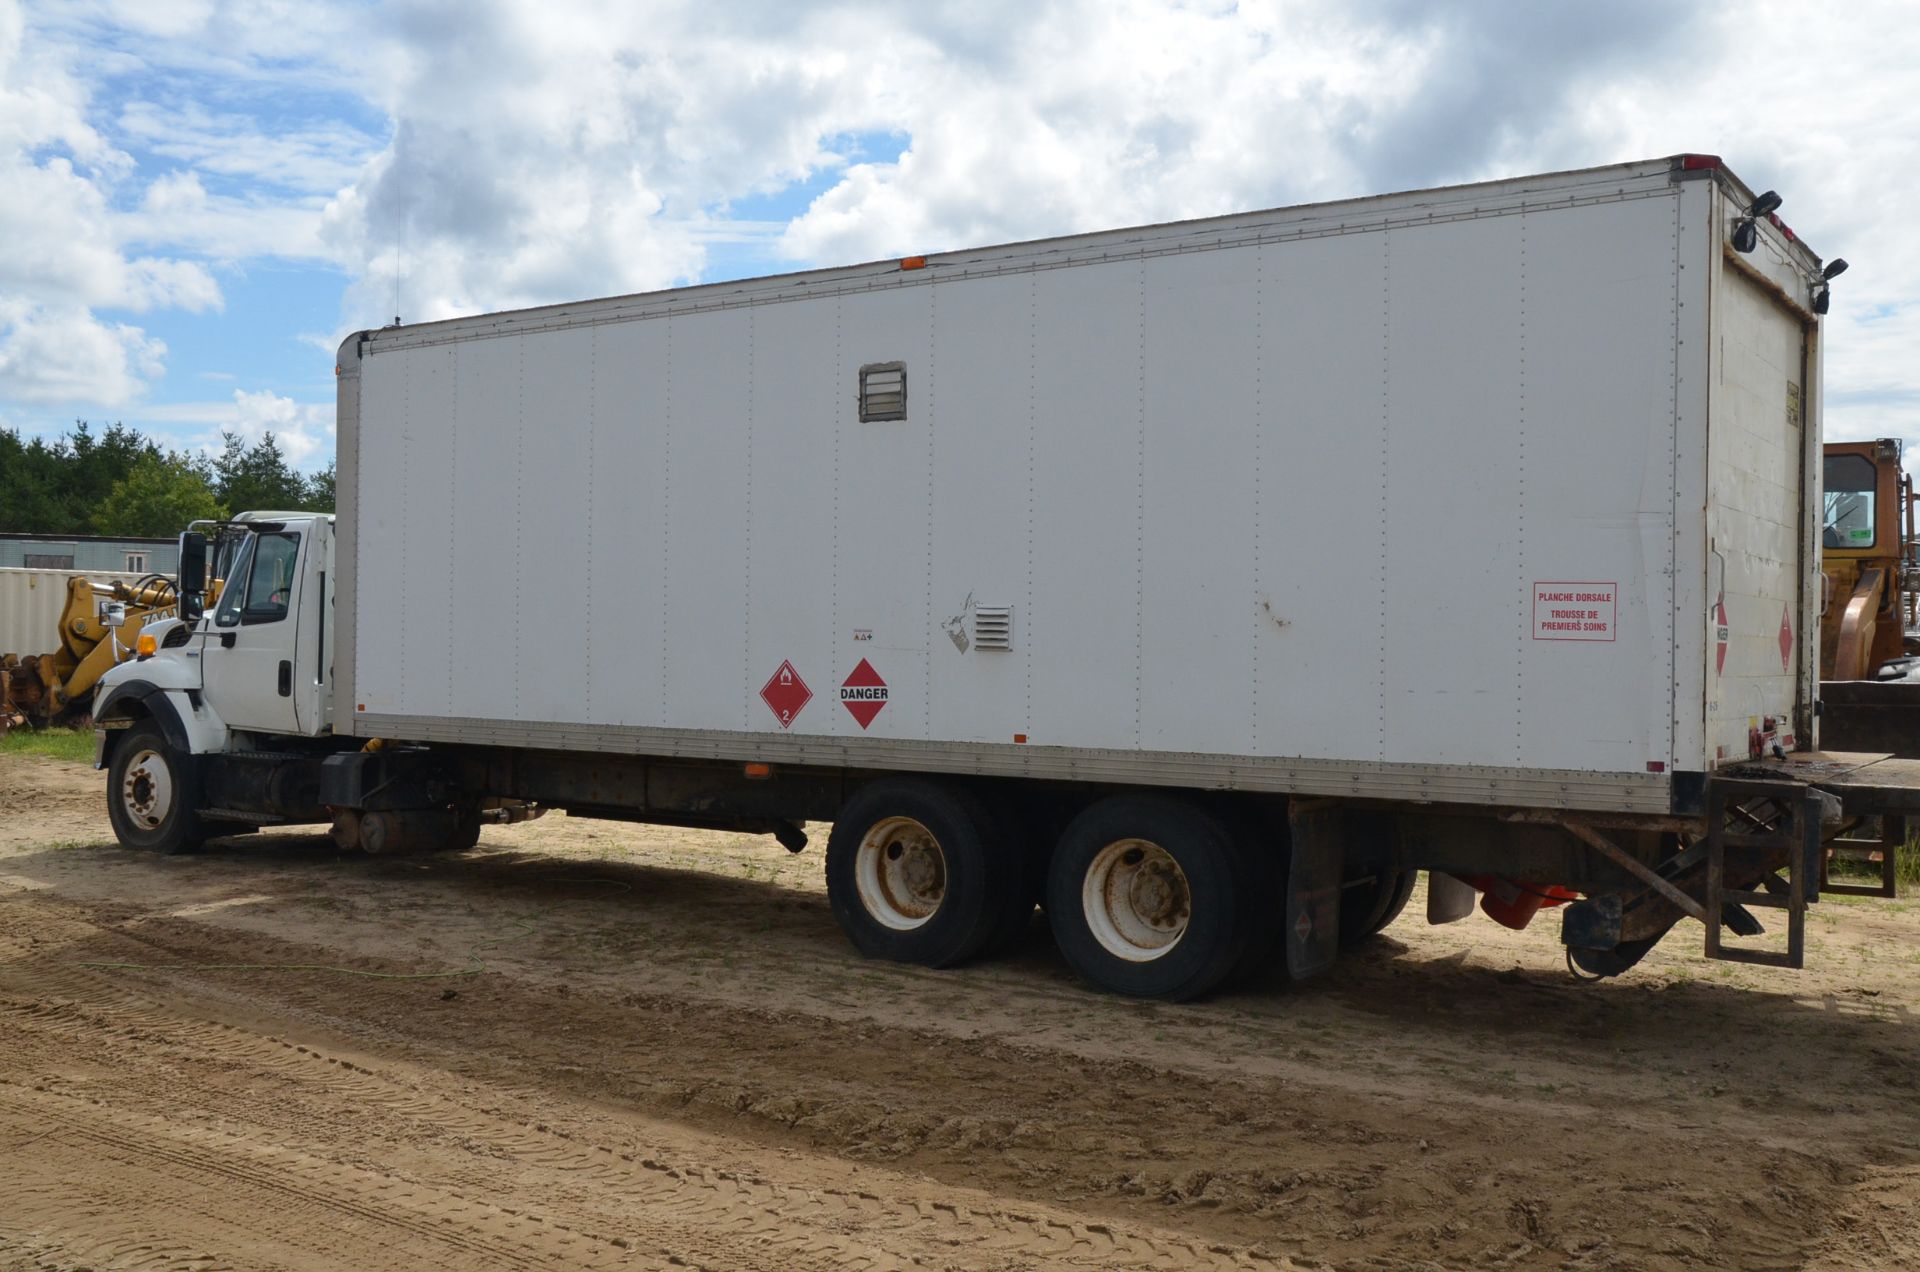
pixel 1695 163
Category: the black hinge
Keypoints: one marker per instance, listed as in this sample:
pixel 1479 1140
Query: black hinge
pixel 286 679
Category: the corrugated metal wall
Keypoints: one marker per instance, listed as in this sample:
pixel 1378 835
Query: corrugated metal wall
pixel 30 605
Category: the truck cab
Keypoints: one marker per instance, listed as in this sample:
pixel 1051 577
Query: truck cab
pixel 244 671
pixel 271 630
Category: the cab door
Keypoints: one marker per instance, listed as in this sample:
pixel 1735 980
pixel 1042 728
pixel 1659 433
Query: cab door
pixel 251 648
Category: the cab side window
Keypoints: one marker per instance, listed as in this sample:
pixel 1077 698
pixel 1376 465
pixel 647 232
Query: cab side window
pixel 262 584
pixel 270 578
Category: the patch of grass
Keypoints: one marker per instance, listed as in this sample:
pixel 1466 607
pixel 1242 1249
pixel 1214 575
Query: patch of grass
pixel 59 744
pixel 1906 866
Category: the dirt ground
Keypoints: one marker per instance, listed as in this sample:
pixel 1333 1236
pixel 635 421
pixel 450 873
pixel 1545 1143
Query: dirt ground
pixel 664 1054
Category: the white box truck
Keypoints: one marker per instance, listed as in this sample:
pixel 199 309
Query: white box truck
pixel 1205 580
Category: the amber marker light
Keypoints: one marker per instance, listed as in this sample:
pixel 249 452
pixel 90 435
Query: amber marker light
pixel 146 646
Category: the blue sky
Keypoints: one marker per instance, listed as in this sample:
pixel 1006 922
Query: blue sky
pixel 199 198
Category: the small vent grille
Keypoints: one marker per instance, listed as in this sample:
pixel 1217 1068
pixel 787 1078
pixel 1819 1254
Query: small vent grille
pixel 176 637
pixel 883 391
pixel 993 627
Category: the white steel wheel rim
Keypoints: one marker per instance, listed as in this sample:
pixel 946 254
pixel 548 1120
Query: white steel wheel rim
pixel 1136 900
pixel 901 873
pixel 146 790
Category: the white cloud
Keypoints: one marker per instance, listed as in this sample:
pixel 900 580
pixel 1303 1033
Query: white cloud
pixel 63 256
pixel 303 430
pixel 545 150
pixel 66 354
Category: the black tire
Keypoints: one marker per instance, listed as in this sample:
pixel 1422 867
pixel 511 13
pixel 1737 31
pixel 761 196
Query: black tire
pixel 466 829
pixel 1030 834
pixel 1367 908
pixel 919 872
pixel 1621 958
pixel 153 791
pixel 1226 905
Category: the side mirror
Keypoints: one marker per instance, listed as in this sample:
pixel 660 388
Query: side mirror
pixel 113 613
pixel 193 574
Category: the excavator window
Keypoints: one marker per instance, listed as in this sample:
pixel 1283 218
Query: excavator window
pixel 1849 501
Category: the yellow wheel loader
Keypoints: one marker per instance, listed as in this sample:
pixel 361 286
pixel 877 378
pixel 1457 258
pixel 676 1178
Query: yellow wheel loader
pixel 99 628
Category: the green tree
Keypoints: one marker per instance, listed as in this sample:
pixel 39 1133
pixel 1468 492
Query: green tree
pixel 257 477
pixel 158 497
pixel 30 499
pixel 55 487
pixel 97 465
pixel 320 490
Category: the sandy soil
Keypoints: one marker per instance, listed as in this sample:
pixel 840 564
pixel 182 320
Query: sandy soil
pixel 662 1053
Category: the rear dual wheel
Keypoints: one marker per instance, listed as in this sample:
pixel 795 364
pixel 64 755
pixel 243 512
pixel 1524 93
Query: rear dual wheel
pixel 1157 898
pixel 920 872
pixel 1371 901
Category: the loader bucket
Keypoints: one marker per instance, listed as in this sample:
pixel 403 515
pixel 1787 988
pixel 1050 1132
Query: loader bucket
pixel 1878 716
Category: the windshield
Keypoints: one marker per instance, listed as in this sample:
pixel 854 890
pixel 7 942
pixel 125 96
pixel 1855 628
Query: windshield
pixel 228 614
pixel 1849 502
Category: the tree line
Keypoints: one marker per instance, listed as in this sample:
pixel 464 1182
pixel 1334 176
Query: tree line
pixel 125 485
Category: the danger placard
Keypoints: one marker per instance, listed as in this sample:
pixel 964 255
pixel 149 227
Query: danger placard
pixel 863 693
pixel 785 694
pixel 1574 611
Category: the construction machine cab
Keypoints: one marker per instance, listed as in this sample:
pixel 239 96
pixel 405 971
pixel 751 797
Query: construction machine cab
pixel 1866 560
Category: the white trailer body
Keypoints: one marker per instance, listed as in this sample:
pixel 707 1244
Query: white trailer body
pixel 1212 579
pixel 1496 494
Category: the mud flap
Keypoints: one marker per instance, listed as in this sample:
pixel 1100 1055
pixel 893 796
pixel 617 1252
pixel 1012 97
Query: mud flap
pixel 1448 899
pixel 1314 871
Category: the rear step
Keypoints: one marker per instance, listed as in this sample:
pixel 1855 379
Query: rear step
pixel 1780 822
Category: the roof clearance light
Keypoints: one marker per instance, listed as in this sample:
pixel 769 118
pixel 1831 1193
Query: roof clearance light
pixel 913 262
pixel 1696 163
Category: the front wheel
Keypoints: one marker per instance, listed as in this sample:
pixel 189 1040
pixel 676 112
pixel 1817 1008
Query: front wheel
pixel 152 788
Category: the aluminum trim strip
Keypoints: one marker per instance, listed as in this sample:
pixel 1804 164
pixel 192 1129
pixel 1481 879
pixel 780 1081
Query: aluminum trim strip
pixel 1364 216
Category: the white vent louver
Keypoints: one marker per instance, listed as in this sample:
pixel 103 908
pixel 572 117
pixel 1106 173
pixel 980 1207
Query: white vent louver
pixel 883 391
pixel 993 627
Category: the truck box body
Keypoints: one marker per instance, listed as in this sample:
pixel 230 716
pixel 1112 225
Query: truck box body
pixel 1495 494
